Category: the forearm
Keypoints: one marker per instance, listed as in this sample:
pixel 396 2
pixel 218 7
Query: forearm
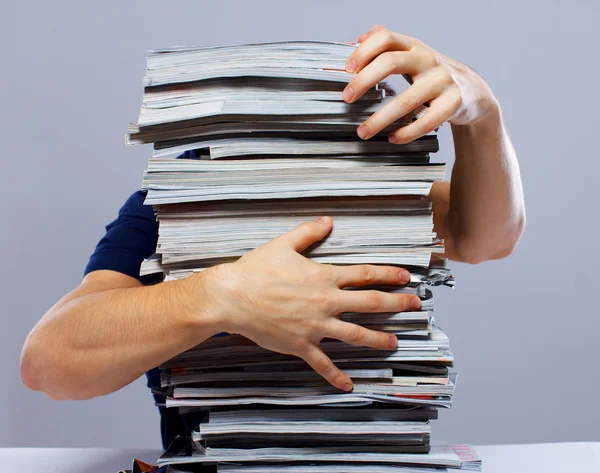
pixel 486 214
pixel 99 342
pixel 480 214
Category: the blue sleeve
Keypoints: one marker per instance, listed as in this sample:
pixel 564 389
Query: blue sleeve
pixel 128 240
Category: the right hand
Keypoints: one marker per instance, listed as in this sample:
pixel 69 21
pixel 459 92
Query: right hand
pixel 287 303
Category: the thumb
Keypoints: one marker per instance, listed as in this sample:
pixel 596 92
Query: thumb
pixel 306 234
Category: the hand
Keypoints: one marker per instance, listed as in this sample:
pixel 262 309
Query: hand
pixel 454 92
pixel 287 303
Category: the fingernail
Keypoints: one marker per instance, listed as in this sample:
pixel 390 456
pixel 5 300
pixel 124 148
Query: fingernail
pixel 363 131
pixel 416 303
pixel 393 343
pixel 351 66
pixel 324 220
pixel 347 387
pixel 393 139
pixel 404 276
pixel 347 94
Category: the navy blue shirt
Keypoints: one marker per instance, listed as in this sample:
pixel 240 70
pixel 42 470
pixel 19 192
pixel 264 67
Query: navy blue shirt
pixel 130 238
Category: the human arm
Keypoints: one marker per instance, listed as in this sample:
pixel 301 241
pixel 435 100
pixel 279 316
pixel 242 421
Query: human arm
pixel 111 329
pixel 107 332
pixel 480 213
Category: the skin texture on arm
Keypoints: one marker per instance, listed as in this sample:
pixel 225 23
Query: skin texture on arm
pixel 108 332
pixel 480 213
pixel 111 329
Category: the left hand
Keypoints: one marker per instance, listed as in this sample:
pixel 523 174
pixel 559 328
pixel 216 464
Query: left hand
pixel 454 92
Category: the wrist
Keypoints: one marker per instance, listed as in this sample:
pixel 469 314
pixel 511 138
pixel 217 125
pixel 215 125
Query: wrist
pixel 203 307
pixel 478 133
pixel 489 115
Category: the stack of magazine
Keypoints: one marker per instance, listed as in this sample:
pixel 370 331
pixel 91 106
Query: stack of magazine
pixel 250 141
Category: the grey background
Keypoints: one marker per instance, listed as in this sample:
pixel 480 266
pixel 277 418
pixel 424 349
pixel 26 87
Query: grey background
pixel 524 330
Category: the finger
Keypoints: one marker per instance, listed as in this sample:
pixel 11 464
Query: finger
pixel 363 37
pixel 323 366
pixel 417 94
pixel 379 42
pixel 373 301
pixel 440 110
pixel 370 33
pixel 353 334
pixel 305 234
pixel 391 62
pixel 367 275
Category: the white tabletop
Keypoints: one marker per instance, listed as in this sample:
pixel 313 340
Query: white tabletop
pixel 537 458
pixel 541 458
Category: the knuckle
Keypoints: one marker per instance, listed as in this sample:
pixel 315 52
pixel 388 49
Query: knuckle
pixel 326 302
pixel 402 137
pixel 323 274
pixel 441 79
pixel 410 103
pixel 371 123
pixel 323 367
pixel 416 42
pixel 357 84
pixel 335 377
pixel 428 58
pixel 373 300
pixel 308 226
pixel 413 135
pixel 317 328
pixel 367 274
pixel 308 328
pixel 406 103
pixel 387 36
pixel 388 60
pixel 404 302
pixel 299 345
pixel 446 76
pixel 355 334
pixel 376 122
pixel 428 123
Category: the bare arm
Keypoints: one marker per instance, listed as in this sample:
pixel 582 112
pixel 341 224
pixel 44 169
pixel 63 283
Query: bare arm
pixel 480 213
pixel 110 330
